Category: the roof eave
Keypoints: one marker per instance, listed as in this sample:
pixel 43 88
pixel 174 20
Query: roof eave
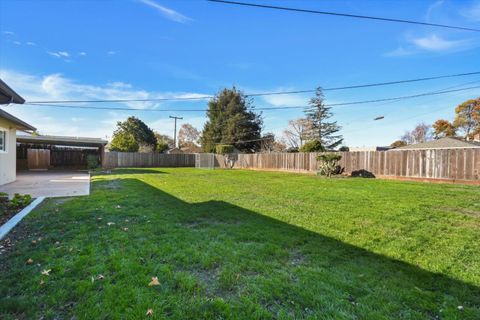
pixel 10 96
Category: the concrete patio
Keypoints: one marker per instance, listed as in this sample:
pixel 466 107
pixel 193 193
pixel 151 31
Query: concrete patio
pixel 50 184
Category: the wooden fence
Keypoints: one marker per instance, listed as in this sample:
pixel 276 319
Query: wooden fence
pixel 443 165
pixel 449 165
pixel 135 159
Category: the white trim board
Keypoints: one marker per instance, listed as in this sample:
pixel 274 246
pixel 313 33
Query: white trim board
pixel 10 224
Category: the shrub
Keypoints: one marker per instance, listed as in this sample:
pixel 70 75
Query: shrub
pixel 162 147
pixel 312 146
pixel 92 161
pixel 344 149
pixel 19 201
pixel 224 148
pixel 328 164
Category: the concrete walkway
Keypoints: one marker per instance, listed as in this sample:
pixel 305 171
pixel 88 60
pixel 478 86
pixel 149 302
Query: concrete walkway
pixel 50 184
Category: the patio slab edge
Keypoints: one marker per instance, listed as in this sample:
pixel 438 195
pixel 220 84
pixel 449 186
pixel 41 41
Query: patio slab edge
pixel 10 224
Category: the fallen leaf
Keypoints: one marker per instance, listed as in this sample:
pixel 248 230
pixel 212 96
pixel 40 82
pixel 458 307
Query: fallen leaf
pixel 29 261
pixel 110 223
pixel 46 272
pixel 154 282
pixel 149 312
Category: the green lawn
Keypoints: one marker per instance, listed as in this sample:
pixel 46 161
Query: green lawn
pixel 247 245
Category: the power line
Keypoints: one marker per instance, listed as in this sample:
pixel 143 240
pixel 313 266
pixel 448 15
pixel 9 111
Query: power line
pixel 204 97
pixel 146 110
pixel 348 15
pixel 264 108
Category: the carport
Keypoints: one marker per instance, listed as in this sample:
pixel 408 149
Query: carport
pixel 57 152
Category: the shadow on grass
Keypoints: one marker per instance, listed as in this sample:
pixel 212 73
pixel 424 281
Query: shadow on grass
pixel 288 263
pixel 216 260
pixel 119 171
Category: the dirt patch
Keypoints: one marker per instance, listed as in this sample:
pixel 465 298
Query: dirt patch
pixel 296 257
pixel 207 222
pixel 468 212
pixel 110 185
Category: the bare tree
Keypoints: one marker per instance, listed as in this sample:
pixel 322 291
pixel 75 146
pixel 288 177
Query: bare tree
pixel 188 134
pixel 421 133
pixel 297 132
pixel 270 144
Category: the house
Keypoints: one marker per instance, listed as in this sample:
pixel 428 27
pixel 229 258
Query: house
pixel 8 130
pixel 363 149
pixel 442 143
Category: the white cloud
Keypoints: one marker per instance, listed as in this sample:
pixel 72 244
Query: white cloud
pixel 167 12
pixel 472 12
pixel 89 123
pixel 8 32
pixel 434 42
pixel 430 43
pixel 18 43
pixel 432 8
pixel 64 55
pixel 83 54
pixel 57 87
pixel 30 43
pixel 111 52
pixel 399 52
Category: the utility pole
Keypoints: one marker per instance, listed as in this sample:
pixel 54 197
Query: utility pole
pixel 175 132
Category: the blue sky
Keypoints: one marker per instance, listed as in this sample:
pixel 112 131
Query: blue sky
pixel 55 50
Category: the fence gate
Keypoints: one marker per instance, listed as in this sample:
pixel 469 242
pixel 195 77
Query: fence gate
pixel 205 161
pixel 38 159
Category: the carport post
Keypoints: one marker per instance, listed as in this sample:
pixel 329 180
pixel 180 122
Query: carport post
pixel 101 150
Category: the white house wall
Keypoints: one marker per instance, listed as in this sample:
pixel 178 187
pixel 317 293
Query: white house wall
pixel 8 159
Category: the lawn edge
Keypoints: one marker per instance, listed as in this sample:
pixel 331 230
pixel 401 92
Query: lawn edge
pixel 10 224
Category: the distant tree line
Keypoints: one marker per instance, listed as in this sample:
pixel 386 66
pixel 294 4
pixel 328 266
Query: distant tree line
pixel 466 125
pixel 233 125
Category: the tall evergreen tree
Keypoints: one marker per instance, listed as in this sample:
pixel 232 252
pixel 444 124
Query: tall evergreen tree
pixel 230 121
pixel 322 130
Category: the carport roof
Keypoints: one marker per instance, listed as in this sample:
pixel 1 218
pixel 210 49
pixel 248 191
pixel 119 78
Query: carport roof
pixel 63 141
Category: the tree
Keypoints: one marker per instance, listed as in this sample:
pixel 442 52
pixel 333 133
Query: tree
pixel 136 129
pixel 467 117
pixel 164 142
pixel 188 135
pixel 421 133
pixel 323 130
pixel 398 144
pixel 314 145
pixel 443 128
pixel 270 144
pixel 124 142
pixel 231 122
pixel 297 132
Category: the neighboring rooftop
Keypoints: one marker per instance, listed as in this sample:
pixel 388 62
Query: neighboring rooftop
pixel 442 143
pixel 7 95
pixel 19 124
pixel 63 141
